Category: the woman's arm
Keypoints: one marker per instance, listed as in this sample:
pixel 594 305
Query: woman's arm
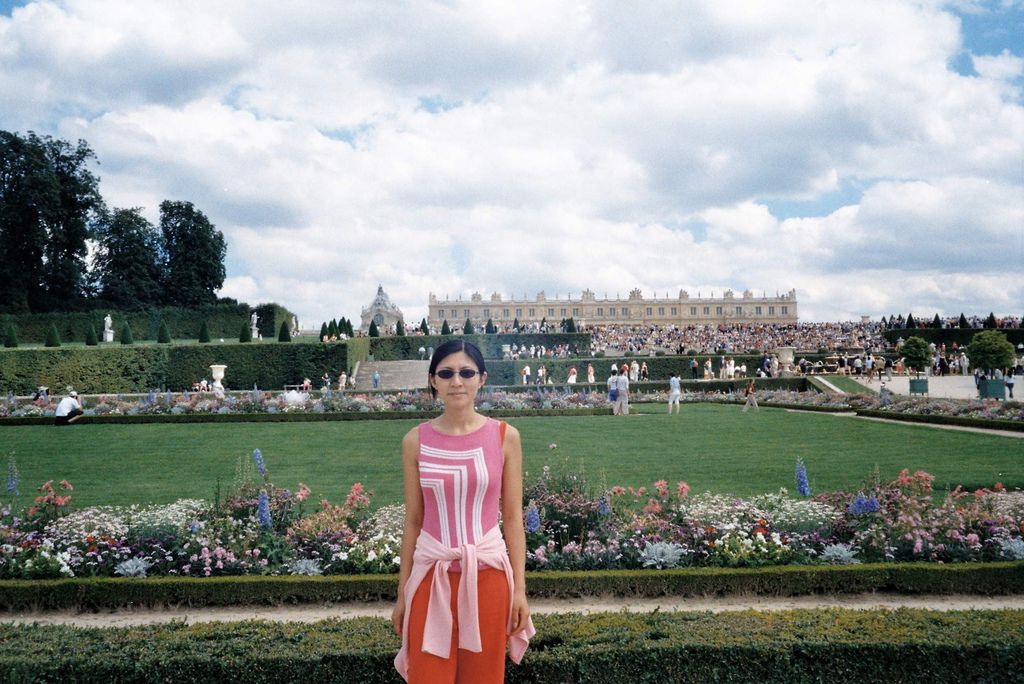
pixel 413 520
pixel 512 521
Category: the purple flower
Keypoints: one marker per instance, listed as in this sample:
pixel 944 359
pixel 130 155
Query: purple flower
pixel 12 478
pixel 802 485
pixel 532 519
pixel 261 467
pixel 603 507
pixel 263 510
pixel 863 504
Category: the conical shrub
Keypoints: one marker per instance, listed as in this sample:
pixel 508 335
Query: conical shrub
pixel 52 337
pixel 164 335
pixel 284 335
pixel 90 336
pixel 11 337
pixel 126 335
pixel 204 333
pixel 245 334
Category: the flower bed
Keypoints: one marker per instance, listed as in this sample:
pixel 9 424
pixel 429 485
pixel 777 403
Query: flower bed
pixel 262 529
pixel 786 646
pixel 259 405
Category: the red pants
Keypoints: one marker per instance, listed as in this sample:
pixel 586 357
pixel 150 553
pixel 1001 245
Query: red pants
pixel 463 667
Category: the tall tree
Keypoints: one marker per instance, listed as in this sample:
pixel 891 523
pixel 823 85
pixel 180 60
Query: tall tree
pixel 128 260
pixel 28 197
pixel 194 254
pixel 78 205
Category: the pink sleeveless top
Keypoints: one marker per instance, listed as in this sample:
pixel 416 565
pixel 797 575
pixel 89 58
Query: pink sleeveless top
pixel 460 476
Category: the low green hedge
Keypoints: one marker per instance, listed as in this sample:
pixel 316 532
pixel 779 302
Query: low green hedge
pixel 99 593
pixel 988 424
pixel 222 320
pixel 118 368
pixel 834 645
pixel 303 417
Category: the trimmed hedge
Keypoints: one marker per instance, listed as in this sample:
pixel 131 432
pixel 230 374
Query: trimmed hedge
pixel 123 368
pixel 786 646
pixel 297 417
pixel 98 593
pixel 962 336
pixel 407 348
pixel 964 421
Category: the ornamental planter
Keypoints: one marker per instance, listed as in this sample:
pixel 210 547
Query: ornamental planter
pixel 992 388
pixel 919 386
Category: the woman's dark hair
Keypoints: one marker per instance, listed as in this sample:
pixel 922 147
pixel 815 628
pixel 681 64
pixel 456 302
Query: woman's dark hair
pixel 454 347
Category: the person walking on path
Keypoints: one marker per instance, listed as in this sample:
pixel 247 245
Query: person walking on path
pixel 673 392
pixel 376 379
pixel 749 392
pixel 461 585
pixel 68 410
pixel 613 390
pixel 1010 380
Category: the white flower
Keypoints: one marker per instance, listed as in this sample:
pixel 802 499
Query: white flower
pixel 372 556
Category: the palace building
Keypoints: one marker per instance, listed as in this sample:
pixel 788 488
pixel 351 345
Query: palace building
pixel 633 310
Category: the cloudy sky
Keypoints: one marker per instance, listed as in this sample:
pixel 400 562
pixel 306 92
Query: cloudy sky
pixel 868 154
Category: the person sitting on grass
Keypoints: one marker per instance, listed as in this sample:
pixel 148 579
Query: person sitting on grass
pixel 68 410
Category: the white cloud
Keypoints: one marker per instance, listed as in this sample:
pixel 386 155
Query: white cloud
pixel 491 146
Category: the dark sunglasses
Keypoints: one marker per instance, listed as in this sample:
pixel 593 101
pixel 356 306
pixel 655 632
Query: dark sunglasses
pixel 464 373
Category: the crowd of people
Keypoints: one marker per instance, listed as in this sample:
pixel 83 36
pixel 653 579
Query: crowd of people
pixel 736 337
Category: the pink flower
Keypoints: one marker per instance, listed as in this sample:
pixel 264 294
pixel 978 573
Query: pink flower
pixel 552 446
pixel 303 492
pixel 972 539
pixel 652 507
pixel 255 553
pixel 682 489
pixel 618 491
pixel 918 543
pixel 64 484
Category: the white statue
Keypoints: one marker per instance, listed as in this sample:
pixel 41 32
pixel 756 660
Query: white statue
pixel 108 328
pixel 254 325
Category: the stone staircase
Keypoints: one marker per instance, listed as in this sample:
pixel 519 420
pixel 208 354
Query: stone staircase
pixel 394 375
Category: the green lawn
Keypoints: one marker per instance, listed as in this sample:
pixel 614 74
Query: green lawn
pixel 711 447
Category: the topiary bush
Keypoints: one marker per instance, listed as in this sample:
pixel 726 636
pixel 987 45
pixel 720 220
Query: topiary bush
pixel 204 333
pixel 284 335
pixel 10 337
pixel 990 349
pixel 245 334
pixel 52 337
pixel 164 336
pixel 916 354
pixel 126 334
pixel 90 336
pixel 374 331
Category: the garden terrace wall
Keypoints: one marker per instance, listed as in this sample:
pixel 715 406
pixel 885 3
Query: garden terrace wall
pixel 407 347
pixel 131 368
pixel 222 320
pixel 785 646
pixel 962 336
pixel 101 593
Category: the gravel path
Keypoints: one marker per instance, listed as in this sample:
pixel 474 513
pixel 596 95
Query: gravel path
pixel 314 612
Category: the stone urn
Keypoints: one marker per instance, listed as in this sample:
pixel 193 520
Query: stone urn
pixel 786 355
pixel 217 372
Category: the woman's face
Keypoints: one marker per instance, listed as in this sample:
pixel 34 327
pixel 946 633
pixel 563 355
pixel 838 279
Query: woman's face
pixel 457 390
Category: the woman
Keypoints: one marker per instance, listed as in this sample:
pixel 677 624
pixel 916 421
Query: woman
pixel 749 392
pixel 590 373
pixel 572 376
pixel 644 372
pixel 454 562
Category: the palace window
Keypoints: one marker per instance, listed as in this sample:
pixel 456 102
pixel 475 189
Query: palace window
pixel 650 311
pixel 625 312
pixel 785 310
pixel 505 313
pixel 551 312
pixel 739 310
pixel 519 313
pixel 693 311
pixel 707 310
pixel 757 310
pixel 532 314
pixel 600 311
pixel 487 313
pixel 661 311
pixel 771 310
pixel 674 311
pixel 718 310
pixel 563 313
pixel 575 312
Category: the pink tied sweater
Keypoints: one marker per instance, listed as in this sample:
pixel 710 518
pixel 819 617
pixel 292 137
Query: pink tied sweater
pixel 460 476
